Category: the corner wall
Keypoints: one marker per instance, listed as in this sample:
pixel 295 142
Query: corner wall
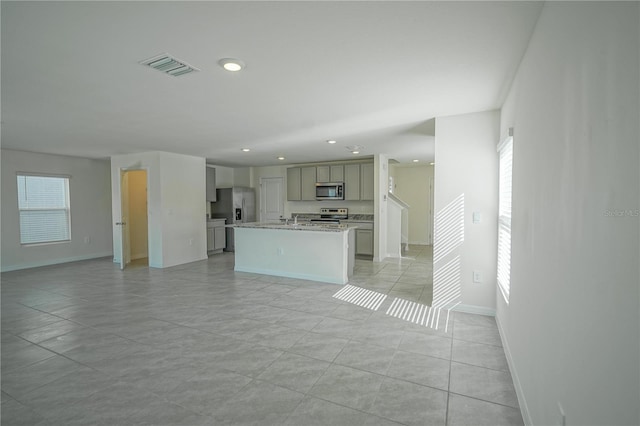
pixel 90 196
pixel 466 181
pixel 176 209
pixel 571 328
pixel 184 222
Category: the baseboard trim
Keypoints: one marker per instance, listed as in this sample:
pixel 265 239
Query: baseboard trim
pixel 473 309
pixel 54 262
pixel 296 275
pixel 139 256
pixel 522 402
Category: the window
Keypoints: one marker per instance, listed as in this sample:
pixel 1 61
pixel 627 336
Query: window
pixel 504 217
pixel 43 205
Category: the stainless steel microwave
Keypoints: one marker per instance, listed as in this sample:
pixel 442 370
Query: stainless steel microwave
pixel 330 191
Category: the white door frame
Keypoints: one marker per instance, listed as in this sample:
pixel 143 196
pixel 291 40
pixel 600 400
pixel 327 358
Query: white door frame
pixel 430 219
pixel 124 223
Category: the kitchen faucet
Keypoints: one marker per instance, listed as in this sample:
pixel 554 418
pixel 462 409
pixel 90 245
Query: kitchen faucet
pixel 295 220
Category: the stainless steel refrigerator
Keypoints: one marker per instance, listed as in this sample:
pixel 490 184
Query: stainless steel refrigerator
pixel 237 205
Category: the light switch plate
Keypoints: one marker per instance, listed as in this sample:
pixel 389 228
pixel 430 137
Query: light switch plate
pixel 477 276
pixel 477 217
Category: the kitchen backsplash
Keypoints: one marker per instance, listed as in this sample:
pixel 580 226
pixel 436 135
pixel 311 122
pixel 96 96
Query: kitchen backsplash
pixel 355 207
pixel 309 216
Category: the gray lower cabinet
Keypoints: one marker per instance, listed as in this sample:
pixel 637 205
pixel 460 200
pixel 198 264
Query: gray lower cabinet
pixel 219 238
pixel 216 236
pixel 364 242
pixel 210 238
pixel 364 237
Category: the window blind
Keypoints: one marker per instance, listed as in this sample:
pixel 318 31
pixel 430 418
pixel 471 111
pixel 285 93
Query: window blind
pixel 44 209
pixel 504 218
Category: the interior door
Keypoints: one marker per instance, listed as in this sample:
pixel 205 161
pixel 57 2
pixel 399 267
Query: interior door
pixel 271 199
pixel 125 247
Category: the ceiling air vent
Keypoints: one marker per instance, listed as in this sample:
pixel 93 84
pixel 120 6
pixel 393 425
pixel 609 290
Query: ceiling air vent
pixel 169 65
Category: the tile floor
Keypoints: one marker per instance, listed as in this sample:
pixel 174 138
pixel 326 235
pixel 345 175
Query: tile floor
pixel 198 344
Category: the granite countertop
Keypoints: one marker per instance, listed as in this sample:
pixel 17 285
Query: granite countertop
pixel 297 227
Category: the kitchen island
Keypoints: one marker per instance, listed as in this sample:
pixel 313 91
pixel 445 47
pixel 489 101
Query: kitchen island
pixel 324 253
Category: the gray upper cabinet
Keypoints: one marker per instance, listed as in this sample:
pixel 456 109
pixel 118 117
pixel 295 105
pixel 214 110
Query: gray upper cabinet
pixel 352 182
pixel 308 183
pixel 294 192
pixel 366 181
pixel 357 178
pixel 337 173
pixel 323 174
pixel 211 184
pixel 330 173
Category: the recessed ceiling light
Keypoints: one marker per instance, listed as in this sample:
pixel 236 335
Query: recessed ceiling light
pixel 231 64
pixel 245 150
pixel 415 161
pixel 331 141
pixel 281 158
pixel 432 164
pixel 355 152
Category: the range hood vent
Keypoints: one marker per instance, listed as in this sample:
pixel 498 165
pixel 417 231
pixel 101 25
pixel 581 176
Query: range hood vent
pixel 169 65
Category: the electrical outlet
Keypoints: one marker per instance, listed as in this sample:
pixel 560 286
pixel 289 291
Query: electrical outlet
pixel 477 276
pixel 87 240
pixel 280 251
pixel 190 241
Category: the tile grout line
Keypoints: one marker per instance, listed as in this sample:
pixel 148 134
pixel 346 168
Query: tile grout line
pixel 446 417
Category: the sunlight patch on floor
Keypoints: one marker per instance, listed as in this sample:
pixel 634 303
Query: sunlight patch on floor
pixel 361 297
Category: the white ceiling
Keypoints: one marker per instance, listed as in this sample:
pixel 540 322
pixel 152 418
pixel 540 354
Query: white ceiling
pixel 365 73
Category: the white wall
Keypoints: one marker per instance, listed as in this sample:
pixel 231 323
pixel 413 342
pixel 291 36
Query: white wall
pixel 176 208
pixel 184 226
pixel 412 186
pixel 90 197
pixel 571 328
pixel 467 165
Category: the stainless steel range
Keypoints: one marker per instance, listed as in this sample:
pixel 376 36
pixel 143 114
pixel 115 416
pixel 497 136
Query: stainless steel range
pixel 331 215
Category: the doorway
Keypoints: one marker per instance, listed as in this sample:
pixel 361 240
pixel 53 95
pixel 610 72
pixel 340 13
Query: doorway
pixel 271 199
pixel 135 218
